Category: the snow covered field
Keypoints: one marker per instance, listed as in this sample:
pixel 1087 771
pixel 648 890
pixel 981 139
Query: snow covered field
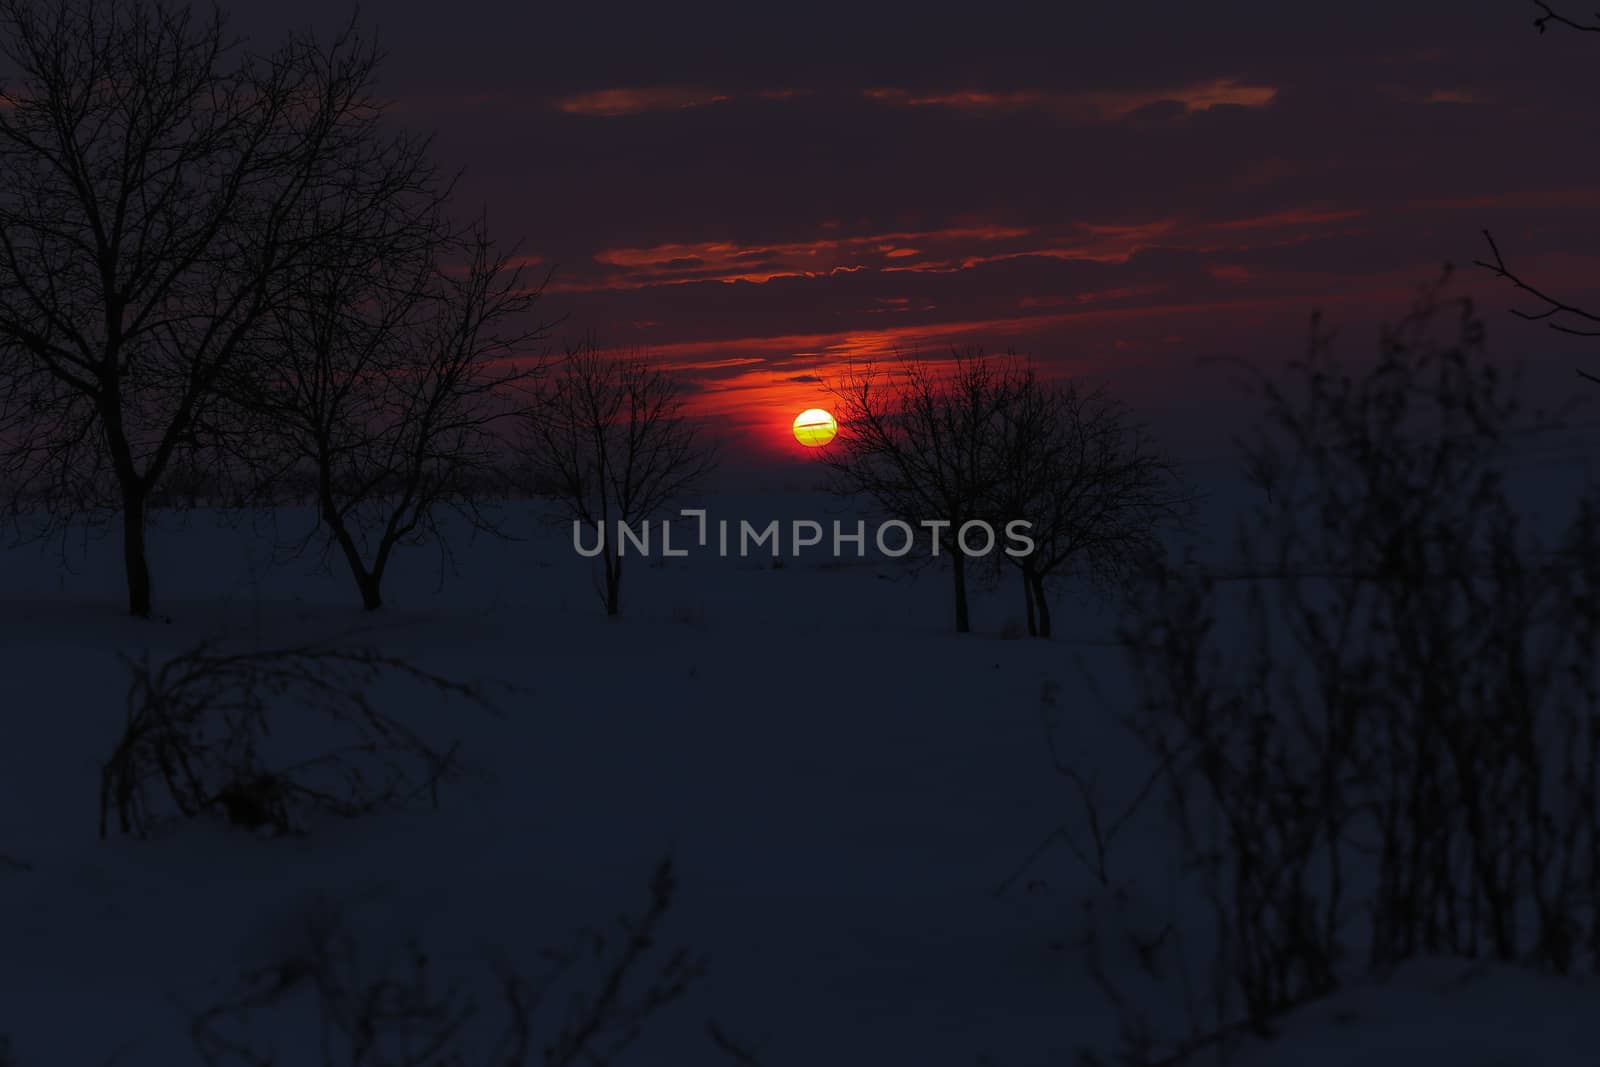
pixel 842 784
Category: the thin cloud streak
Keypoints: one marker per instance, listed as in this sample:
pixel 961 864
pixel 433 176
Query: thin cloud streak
pixel 623 102
pixel 1083 106
pixel 940 250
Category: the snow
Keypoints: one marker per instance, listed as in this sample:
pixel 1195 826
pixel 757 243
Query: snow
pixel 1441 1011
pixel 841 781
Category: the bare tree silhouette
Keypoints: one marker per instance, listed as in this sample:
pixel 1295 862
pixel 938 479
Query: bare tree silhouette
pixel 1093 486
pixel 920 443
pixel 386 375
pixel 985 439
pixel 609 442
pixel 151 216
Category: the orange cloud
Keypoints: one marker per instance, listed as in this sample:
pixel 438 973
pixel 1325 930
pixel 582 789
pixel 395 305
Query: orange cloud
pixel 614 103
pixel 610 103
pixel 794 372
pixel 1088 105
pixel 943 251
pixel 657 255
pixel 758 400
pixel 729 261
pixel 1120 243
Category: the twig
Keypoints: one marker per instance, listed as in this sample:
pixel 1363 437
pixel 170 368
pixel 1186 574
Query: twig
pixel 1554 307
pixel 1551 15
pixel 739 1053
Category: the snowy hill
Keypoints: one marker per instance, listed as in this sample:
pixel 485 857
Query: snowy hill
pixel 841 783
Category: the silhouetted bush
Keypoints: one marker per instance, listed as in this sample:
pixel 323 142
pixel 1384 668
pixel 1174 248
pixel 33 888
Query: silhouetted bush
pixel 266 738
pixel 588 1004
pixel 1380 737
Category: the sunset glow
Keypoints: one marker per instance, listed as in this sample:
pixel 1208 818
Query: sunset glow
pixel 813 216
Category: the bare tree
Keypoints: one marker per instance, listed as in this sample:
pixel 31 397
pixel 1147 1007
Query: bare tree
pixel 1091 483
pixel 1557 312
pixel 920 444
pixel 609 440
pixel 155 175
pixel 387 374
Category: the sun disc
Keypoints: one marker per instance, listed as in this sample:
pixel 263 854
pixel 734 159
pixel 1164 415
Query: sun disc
pixel 814 427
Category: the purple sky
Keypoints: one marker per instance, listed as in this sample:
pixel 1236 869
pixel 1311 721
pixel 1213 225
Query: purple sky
pixel 758 193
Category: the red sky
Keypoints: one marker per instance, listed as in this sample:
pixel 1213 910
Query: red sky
pixel 759 193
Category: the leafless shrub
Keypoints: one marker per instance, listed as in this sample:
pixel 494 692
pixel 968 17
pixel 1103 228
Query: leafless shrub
pixel 1141 966
pixel 1398 752
pixel 1135 956
pixel 267 738
pixel 1097 818
pixel 588 1004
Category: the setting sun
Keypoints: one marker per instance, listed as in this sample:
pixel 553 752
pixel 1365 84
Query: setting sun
pixel 814 427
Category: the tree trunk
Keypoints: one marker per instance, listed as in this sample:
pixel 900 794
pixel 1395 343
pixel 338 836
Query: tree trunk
pixel 1027 600
pixel 371 591
pixel 372 598
pixel 135 560
pixel 369 583
pixel 1043 605
pixel 135 503
pixel 963 623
